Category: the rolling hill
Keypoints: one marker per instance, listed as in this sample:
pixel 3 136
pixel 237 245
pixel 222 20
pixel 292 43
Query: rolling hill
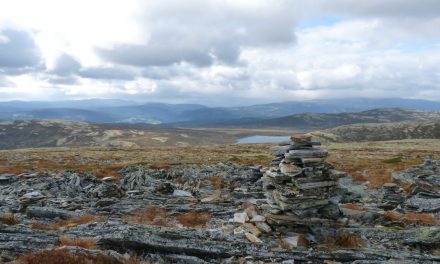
pixel 380 132
pixel 321 120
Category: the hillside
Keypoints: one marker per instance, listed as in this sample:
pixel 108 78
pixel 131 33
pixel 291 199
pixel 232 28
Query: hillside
pixel 53 133
pixel 322 120
pixel 379 132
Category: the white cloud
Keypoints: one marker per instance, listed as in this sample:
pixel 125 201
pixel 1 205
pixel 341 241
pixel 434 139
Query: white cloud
pixel 222 51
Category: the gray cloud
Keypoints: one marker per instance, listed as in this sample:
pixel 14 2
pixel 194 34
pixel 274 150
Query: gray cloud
pixel 63 80
pixel 379 8
pixel 107 73
pixel 66 65
pixel 202 32
pixel 18 50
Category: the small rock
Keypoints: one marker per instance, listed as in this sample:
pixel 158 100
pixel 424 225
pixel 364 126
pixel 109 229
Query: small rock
pixel 258 218
pixel 33 195
pixel 240 218
pixel 182 193
pixel 252 238
pixel 7 178
pixel 109 179
pixel 291 241
pixel 263 227
pixel 251 211
pixel 254 230
pixel 238 230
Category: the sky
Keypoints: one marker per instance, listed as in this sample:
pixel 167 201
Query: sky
pixel 219 52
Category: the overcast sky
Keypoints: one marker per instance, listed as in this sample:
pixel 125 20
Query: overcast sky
pixel 219 52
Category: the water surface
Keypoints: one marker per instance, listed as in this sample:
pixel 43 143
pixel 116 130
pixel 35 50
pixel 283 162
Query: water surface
pixel 262 139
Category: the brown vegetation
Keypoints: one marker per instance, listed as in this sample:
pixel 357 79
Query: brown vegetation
pixel 194 219
pixel 63 256
pixel 345 239
pixel 111 170
pixel 217 182
pixel 150 216
pixel 412 217
pixel 81 220
pixel 9 219
pixel 68 223
pixel 87 242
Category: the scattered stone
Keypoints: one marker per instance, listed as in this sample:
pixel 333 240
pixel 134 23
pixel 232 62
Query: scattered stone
pixel 181 193
pixel 240 218
pixel 7 178
pixel 252 238
pixel 258 218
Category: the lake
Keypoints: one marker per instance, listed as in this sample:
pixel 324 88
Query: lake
pixel 262 139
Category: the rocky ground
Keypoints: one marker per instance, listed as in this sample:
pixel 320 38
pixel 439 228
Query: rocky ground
pixel 212 214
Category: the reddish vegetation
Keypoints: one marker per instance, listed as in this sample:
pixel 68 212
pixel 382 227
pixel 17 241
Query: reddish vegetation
pixel 180 180
pixel 411 217
pixel 353 207
pixel 428 219
pixel 393 216
pixel 345 239
pixel 13 170
pixel 151 216
pixel 44 226
pixel 376 178
pixel 111 170
pixel 88 243
pixel 81 220
pixel 71 222
pixel 63 256
pixel 216 182
pixel 194 219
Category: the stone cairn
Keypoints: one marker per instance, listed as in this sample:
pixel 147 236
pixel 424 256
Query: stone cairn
pixel 300 186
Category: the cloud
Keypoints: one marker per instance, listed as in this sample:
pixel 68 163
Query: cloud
pixel 203 32
pixel 223 52
pixel 107 73
pixel 66 65
pixel 18 50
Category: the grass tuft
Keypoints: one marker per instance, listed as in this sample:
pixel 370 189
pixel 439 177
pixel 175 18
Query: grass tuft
pixel 88 242
pixel 194 219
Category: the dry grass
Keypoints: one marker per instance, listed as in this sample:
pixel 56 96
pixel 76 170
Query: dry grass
pixel 375 161
pixel 68 223
pixel 194 219
pixel 412 218
pixel 44 226
pixel 9 219
pixel 111 170
pixel 86 242
pixel 217 182
pixel 345 239
pixel 353 207
pixel 428 219
pixel 81 220
pixel 393 216
pixel 63 256
pixel 150 216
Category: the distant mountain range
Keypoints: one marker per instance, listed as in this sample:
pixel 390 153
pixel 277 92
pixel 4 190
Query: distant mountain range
pixel 195 115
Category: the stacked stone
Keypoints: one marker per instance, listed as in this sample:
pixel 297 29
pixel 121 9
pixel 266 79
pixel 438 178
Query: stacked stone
pixel 299 182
